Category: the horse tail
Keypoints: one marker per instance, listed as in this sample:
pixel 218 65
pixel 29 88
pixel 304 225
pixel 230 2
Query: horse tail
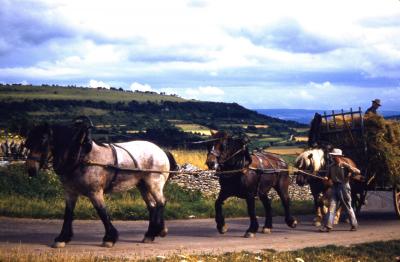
pixel 173 166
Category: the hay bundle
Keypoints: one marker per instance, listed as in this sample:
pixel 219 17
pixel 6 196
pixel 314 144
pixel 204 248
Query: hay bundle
pixel 383 141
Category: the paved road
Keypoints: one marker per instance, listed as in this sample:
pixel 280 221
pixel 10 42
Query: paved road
pixel 191 236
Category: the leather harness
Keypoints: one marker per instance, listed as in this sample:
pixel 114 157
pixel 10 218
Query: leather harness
pixel 115 156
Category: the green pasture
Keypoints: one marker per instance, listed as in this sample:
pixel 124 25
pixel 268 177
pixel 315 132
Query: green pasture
pixel 42 197
pixel 20 93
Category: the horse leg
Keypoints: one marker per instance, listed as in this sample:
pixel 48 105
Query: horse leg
pixel 111 234
pixel 251 210
pixel 283 191
pixel 156 211
pixel 337 214
pixel 219 217
pixel 66 232
pixel 155 202
pixel 357 200
pixel 318 206
pixel 268 212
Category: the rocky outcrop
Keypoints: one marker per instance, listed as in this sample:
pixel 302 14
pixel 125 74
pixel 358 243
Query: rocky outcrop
pixel 207 183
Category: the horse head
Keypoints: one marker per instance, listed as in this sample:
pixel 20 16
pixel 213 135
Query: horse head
pixel 227 151
pixel 38 144
pixel 66 144
pixel 312 160
pixel 71 144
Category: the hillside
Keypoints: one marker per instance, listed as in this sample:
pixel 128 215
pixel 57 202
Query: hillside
pixel 396 117
pixel 20 92
pixel 121 115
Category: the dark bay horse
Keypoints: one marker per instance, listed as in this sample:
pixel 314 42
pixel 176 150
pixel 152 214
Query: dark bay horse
pixel 228 153
pixel 83 167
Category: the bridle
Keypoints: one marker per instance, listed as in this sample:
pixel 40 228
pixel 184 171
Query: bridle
pixel 74 153
pixel 45 155
pixel 218 154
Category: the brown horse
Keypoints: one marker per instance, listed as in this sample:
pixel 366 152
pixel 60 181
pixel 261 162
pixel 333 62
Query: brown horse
pixel 256 174
pixel 85 168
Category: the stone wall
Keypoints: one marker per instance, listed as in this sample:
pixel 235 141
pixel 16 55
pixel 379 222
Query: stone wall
pixel 207 183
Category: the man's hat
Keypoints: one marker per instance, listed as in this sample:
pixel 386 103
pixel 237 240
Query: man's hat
pixel 336 152
pixel 377 101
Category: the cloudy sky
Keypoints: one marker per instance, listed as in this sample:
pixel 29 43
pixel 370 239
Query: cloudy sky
pixel 259 53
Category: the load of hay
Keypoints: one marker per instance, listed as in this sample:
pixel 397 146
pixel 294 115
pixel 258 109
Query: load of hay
pixel 383 141
pixel 376 148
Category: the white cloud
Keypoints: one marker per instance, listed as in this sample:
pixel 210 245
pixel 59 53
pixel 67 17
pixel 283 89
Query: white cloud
pixel 300 46
pixel 94 84
pixel 204 91
pixel 140 87
pixel 322 86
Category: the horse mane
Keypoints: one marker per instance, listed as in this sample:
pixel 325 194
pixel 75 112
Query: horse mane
pixel 306 159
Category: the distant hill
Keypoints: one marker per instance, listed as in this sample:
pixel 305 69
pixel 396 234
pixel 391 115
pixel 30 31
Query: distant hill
pixel 17 92
pixel 395 117
pixel 120 114
pixel 305 115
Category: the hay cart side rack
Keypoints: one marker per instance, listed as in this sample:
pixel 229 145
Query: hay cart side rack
pixel 345 130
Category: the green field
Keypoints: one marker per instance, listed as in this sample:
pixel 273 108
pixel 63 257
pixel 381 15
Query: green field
pixel 42 197
pixel 20 93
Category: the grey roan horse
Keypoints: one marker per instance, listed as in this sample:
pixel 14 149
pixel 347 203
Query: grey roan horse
pixel 74 156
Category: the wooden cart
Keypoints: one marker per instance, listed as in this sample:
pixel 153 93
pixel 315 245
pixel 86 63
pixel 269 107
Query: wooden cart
pixel 345 130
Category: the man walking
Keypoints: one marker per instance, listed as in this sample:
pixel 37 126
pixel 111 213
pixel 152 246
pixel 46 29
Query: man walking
pixel 339 172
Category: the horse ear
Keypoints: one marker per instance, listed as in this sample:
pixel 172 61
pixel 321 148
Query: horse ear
pixel 310 156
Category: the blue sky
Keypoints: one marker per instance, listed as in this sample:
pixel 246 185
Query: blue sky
pixel 258 53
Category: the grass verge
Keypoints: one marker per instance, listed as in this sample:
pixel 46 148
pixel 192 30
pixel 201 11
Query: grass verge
pixel 42 197
pixel 383 251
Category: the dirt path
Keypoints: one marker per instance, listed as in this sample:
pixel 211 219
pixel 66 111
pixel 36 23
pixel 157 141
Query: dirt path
pixel 190 236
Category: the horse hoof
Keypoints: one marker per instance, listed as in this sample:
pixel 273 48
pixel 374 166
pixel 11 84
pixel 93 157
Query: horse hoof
pixel 58 245
pixel 164 232
pixel 317 223
pixel 266 230
pixel 294 224
pixel 223 229
pixel 249 235
pixel 107 244
pixel 148 240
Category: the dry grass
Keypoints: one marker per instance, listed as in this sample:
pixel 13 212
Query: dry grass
pixel 341 122
pixel 375 251
pixel 194 128
pixel 23 254
pixel 194 157
pixel 285 150
pixel 301 138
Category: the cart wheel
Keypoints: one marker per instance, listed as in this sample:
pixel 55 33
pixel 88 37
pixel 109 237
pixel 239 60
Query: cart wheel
pixel 396 199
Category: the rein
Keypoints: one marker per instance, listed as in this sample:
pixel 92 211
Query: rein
pixel 233 155
pixel 144 170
